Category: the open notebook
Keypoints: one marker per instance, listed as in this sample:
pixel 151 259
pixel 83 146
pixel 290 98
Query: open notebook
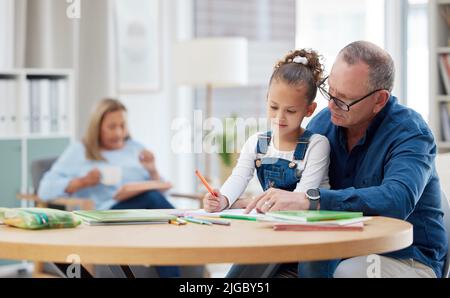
pixel 111 217
pixel 229 212
pixel 133 189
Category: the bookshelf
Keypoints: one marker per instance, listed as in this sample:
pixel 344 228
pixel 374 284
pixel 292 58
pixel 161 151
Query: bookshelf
pixel 36 121
pixel 440 73
pixel 51 91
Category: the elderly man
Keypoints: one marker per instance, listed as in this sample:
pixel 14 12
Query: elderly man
pixel 382 163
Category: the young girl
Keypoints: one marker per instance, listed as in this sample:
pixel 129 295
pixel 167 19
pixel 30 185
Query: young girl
pixel 288 157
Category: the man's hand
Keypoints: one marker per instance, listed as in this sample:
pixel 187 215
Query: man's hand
pixel 278 200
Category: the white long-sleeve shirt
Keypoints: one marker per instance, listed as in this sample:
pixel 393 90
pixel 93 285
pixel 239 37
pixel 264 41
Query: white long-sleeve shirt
pixel 314 166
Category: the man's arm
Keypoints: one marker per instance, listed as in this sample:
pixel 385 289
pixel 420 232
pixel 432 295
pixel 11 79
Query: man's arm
pixel 406 173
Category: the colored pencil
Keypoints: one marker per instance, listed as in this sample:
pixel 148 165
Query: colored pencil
pixel 205 183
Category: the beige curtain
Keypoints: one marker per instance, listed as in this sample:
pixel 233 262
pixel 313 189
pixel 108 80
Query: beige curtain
pixel 47 38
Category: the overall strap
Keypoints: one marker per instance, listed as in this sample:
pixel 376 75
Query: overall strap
pixel 263 142
pixel 302 145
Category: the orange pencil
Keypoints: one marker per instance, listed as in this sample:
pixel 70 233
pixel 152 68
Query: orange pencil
pixel 205 183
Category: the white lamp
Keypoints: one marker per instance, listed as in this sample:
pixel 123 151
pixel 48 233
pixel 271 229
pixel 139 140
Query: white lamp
pixel 211 63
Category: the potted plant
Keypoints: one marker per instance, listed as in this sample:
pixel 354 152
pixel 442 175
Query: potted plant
pixel 227 142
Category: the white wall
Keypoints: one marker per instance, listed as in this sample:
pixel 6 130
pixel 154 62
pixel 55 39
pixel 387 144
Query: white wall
pixel 151 115
pixel 94 57
pixel 6 34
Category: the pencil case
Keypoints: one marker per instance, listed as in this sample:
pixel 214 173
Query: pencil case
pixel 38 218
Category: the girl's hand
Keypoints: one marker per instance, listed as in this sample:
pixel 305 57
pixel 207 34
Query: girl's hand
pixel 215 204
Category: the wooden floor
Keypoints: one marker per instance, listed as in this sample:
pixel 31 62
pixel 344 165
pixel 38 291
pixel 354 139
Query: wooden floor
pixel 25 271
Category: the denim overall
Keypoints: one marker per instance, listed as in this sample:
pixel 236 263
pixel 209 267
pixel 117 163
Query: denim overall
pixel 276 172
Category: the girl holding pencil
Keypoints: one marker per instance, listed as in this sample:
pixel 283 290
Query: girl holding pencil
pixel 288 158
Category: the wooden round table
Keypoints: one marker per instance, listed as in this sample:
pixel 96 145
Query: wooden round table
pixel 243 242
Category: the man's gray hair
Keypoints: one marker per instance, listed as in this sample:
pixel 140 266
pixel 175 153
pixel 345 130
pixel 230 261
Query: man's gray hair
pixel 381 65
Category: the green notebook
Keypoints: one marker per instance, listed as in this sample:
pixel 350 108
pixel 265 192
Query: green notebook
pixel 124 216
pixel 309 216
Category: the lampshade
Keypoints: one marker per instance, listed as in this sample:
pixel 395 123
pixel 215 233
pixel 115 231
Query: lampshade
pixel 217 62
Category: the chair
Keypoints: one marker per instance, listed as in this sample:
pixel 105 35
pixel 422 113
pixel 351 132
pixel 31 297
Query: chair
pixel 38 169
pixel 446 208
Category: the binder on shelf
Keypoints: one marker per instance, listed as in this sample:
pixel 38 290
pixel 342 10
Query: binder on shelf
pixel 25 117
pixel 63 106
pixel 15 108
pixel 8 107
pixel 445 121
pixel 35 109
pixel 53 101
pixel 11 108
pixel 42 108
pixel 44 95
pixel 3 96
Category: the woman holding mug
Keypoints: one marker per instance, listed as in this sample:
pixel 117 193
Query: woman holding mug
pixel 102 163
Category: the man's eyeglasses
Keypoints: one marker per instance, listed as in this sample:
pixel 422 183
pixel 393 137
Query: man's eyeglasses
pixel 323 87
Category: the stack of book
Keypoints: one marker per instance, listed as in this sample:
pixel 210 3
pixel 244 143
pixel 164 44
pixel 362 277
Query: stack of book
pixel 317 220
pixel 124 217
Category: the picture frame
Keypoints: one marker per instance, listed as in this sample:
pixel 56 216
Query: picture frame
pixel 139 45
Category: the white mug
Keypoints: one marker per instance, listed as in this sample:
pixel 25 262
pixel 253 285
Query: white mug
pixel 110 175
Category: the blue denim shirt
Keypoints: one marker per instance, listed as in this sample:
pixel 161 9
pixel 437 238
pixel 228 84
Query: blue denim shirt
pixel 390 172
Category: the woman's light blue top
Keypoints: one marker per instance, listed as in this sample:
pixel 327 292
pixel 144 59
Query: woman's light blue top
pixel 74 164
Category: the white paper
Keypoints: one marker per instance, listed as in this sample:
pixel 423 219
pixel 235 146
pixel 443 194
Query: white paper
pixel 202 212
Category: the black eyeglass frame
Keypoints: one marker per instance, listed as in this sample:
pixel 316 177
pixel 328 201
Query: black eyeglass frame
pixel 339 102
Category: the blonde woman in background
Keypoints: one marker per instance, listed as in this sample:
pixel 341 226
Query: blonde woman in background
pixel 106 147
